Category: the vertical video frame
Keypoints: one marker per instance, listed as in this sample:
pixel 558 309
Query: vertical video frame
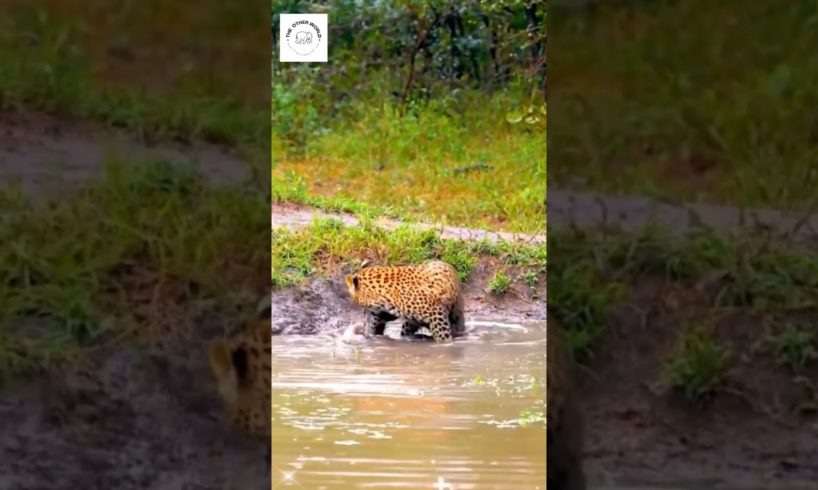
pixel 408 245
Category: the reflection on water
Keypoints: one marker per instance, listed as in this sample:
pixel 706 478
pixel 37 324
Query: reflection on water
pixel 393 414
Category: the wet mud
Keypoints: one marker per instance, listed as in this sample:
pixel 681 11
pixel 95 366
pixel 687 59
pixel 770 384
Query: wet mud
pixel 639 434
pixel 322 306
pixel 131 417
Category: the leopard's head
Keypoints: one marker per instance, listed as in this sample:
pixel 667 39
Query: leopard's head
pixel 353 282
pixel 242 377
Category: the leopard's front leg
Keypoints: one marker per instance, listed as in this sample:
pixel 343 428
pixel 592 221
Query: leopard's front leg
pixel 375 323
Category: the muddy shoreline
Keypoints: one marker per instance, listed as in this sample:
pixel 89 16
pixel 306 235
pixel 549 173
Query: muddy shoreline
pixel 322 305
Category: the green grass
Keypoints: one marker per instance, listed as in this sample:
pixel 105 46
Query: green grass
pixel 500 283
pixel 462 163
pixel 289 187
pixel 795 347
pixel 699 366
pixel 73 271
pixel 83 270
pixel 717 114
pixel 592 276
pixel 327 245
pixel 531 278
pixel 52 62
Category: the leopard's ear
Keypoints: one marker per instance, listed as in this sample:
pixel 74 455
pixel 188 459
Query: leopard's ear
pixel 353 283
pixel 364 263
pixel 218 354
pixel 224 370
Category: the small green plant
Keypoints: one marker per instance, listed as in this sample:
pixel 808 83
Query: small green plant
pixel 795 347
pixel 652 252
pixel 531 278
pixel 500 283
pixel 699 365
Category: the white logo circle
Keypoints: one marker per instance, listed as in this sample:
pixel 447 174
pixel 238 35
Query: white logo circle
pixel 303 37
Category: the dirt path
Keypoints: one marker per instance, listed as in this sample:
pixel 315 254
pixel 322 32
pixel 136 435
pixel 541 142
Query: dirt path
pixel 567 209
pixel 293 217
pixel 45 153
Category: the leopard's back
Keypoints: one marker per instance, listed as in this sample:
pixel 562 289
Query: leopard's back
pixel 429 293
pixel 411 286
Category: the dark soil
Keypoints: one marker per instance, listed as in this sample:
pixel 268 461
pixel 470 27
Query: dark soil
pixel 642 434
pixel 49 154
pixel 131 417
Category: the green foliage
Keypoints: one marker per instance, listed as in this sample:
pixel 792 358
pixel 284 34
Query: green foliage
pixel 649 111
pixel 531 278
pixel 66 267
pixel 699 365
pixel 588 275
pixel 410 114
pixel 463 168
pixel 48 65
pixel 411 54
pixel 795 347
pixel 328 244
pixel 500 283
pixel 580 296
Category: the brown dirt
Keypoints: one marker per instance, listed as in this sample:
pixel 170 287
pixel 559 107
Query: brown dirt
pixel 49 154
pixel 567 209
pixel 292 216
pixel 131 417
pixel 640 434
pixel 748 436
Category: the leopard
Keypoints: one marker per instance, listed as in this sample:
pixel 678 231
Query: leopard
pixel 241 365
pixel 425 295
pixel 565 424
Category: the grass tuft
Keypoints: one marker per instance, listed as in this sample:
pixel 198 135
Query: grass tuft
pixel 699 366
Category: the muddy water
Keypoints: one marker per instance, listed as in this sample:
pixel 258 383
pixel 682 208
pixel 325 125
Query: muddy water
pixel 390 414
